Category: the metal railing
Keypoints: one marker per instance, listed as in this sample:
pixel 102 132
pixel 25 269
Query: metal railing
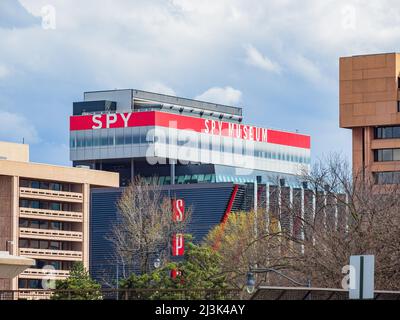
pixel 51 254
pixel 298 293
pixel 50 214
pixel 45 193
pixel 49 234
pixel 263 293
pixel 35 273
pixel 123 294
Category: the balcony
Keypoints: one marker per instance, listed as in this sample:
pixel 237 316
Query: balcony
pixel 47 254
pixel 44 194
pixel 41 273
pixel 46 234
pixel 51 215
pixel 32 294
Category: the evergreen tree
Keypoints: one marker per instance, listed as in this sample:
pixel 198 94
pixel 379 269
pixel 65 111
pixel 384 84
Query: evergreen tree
pixel 199 271
pixel 78 286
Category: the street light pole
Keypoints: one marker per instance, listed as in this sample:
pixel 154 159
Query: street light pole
pixel 251 278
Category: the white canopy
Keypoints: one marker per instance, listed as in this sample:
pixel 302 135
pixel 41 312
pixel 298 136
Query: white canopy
pixel 12 266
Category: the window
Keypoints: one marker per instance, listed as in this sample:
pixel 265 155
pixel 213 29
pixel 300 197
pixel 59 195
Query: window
pixel 55 186
pixel 34 284
pixel 34 204
pixel 23 223
pixel 24 203
pixel 44 244
pixel 387 155
pixel 390 177
pixel 44 185
pixel 44 205
pixel 54 245
pixel 24 183
pixel 55 225
pixel 24 243
pixel 34 244
pixel 43 225
pixel 383 155
pixel 387 132
pixel 35 184
pixel 119 138
pixel 128 135
pixel 111 137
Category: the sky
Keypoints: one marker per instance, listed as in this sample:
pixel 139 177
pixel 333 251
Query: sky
pixel 278 59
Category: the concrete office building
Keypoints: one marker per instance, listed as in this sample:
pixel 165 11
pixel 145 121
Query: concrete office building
pixel 44 215
pixel 369 106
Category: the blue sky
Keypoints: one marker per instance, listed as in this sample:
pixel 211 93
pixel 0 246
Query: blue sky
pixel 276 59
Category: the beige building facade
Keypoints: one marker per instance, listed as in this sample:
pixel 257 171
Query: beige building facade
pixel 369 106
pixel 44 215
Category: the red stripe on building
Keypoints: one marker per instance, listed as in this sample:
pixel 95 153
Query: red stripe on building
pixel 180 122
pixel 289 139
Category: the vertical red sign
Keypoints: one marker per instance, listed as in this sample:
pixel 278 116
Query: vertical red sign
pixel 178 210
pixel 178 245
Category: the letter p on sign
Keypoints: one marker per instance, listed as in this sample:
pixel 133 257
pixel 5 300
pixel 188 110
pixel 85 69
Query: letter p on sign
pixel 178 245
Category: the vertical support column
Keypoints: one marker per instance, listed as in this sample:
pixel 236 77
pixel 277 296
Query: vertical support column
pixel 85 224
pixel 172 163
pixel 336 213
pixel 267 206
pixel 302 201
pixel 346 218
pixel 279 202
pixel 255 195
pixel 325 208
pixel 132 170
pixel 15 223
pixel 291 224
pixel 255 208
pixel 314 209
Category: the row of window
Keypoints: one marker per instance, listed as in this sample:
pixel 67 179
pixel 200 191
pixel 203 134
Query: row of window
pixel 383 155
pixel 44 244
pixel 30 284
pixel 47 205
pixel 390 177
pixel 109 138
pixel 45 185
pixel 46 225
pixel 58 265
pixel 387 132
pixel 184 179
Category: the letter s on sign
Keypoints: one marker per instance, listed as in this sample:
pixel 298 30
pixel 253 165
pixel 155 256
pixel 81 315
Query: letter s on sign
pixel 178 209
pixel 97 119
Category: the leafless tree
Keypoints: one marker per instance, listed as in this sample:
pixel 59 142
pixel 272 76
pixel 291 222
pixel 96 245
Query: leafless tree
pixel 145 226
pixel 352 215
pixel 342 213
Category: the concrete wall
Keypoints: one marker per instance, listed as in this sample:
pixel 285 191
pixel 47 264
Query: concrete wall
pixel 5 219
pixel 14 151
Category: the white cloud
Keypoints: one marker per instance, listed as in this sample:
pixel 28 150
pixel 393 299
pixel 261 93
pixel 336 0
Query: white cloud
pixel 256 59
pixel 4 71
pixel 310 71
pixel 190 44
pixel 15 127
pixel 159 87
pixel 227 96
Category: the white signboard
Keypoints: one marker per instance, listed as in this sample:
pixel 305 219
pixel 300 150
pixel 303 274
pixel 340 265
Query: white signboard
pixel 362 277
